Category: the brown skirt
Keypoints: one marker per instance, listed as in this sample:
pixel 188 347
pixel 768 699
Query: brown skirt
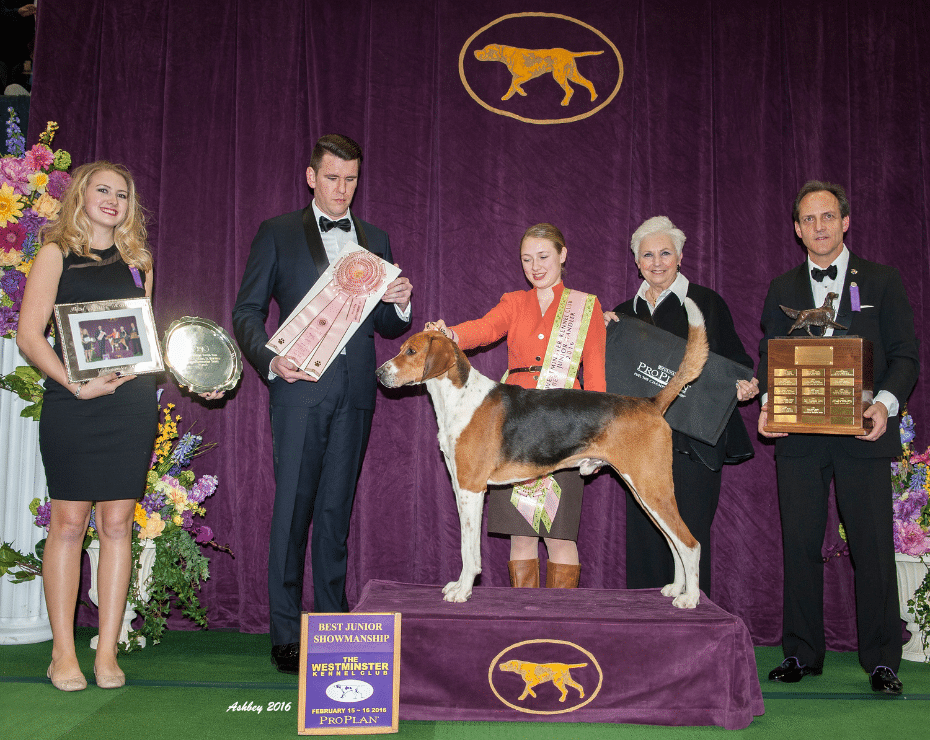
pixel 503 517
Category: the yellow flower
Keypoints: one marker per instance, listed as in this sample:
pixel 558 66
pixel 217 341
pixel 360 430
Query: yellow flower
pixel 178 519
pixel 38 181
pixel 11 205
pixel 47 207
pixel 178 497
pixel 153 527
pixel 140 516
pixel 11 258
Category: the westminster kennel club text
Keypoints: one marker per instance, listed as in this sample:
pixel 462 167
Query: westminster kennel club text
pixel 349 667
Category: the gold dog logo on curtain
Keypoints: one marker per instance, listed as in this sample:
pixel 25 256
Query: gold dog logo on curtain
pixel 545 676
pixel 580 56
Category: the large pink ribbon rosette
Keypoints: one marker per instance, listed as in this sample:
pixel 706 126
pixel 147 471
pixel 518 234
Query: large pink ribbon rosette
pixel 317 332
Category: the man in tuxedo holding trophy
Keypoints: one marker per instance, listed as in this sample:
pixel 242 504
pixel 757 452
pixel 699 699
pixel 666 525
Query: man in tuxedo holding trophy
pixel 872 305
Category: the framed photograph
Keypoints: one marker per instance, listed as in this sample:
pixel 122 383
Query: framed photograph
pixel 101 337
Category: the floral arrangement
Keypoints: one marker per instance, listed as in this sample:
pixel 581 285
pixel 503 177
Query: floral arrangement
pixel 910 488
pixel 167 517
pixel 31 184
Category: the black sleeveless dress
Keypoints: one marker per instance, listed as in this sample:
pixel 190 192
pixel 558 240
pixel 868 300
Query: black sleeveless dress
pixel 98 449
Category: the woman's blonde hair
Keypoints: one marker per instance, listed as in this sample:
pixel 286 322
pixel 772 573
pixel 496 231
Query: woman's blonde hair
pixel 72 230
pixel 545 231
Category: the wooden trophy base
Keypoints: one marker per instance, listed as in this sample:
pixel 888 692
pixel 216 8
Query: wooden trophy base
pixel 819 385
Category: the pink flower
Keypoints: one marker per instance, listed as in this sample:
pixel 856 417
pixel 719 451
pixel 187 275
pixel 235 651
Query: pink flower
pixel 911 539
pixel 15 172
pixel 922 458
pixel 40 157
pixel 12 237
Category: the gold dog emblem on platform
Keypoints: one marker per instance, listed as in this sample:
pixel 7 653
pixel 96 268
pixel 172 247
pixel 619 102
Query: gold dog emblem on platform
pixel 534 674
pixel 525 64
pixel 545 683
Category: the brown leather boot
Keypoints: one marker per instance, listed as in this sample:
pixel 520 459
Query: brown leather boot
pixel 524 573
pixel 560 575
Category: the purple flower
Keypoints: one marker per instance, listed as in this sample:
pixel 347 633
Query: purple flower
pixel 58 182
pixel 15 141
pixel 188 520
pixel 918 478
pixel 910 539
pixel 153 502
pixel 92 524
pixel 13 283
pixel 203 488
pixel 32 221
pixel 204 535
pixel 9 320
pixel 44 514
pixel 907 429
pixel 907 510
pixel 183 452
pixel 15 172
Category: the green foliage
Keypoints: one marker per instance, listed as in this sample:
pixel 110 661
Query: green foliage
pixel 24 382
pixel 177 574
pixel 920 608
pixel 21 567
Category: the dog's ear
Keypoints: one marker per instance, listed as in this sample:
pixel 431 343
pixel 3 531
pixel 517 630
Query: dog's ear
pixel 432 360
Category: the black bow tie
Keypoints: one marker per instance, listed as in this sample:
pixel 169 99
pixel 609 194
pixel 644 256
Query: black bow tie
pixel 819 275
pixel 345 225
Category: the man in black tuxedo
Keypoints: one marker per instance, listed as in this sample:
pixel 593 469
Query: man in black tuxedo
pixel 319 429
pixel 873 305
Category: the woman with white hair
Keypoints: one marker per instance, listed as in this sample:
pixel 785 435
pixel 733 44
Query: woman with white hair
pixel 696 466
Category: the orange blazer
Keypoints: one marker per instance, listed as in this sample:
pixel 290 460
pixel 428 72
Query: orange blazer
pixel 518 318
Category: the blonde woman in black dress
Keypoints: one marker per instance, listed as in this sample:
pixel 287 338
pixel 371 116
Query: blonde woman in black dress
pixel 96 437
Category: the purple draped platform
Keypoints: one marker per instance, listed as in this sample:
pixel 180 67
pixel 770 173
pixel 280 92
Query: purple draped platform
pixel 725 108
pixel 621 656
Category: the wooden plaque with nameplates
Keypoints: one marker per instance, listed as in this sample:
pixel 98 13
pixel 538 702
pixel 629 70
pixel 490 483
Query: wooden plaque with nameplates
pixel 819 385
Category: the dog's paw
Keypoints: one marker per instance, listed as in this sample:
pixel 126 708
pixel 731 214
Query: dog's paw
pixel 686 601
pixel 457 592
pixel 673 590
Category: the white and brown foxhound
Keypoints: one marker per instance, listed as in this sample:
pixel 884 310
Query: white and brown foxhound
pixel 503 434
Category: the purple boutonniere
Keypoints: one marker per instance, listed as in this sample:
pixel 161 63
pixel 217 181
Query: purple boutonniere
pixel 854 296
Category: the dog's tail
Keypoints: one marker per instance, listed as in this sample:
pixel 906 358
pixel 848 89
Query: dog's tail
pixel 693 361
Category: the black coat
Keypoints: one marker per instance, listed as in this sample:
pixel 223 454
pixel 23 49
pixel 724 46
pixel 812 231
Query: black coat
pixel 734 444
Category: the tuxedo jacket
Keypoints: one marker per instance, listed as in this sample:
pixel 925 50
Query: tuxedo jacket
pixel 734 445
pixel 885 319
pixel 281 266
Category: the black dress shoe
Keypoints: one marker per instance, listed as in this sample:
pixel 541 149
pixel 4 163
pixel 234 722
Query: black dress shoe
pixel 884 679
pixel 791 671
pixel 286 658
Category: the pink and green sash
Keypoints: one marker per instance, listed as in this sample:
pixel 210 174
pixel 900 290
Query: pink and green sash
pixel 538 500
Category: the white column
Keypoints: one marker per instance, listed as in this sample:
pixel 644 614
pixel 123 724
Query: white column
pixel 23 616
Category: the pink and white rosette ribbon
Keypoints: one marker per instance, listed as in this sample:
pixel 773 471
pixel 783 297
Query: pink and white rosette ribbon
pixel 317 332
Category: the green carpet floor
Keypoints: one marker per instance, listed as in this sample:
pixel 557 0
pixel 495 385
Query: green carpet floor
pixel 183 688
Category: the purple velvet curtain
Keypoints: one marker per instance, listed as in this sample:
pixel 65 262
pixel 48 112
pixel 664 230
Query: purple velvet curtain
pixel 724 110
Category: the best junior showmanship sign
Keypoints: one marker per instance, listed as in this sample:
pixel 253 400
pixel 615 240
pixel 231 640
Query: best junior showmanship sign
pixel 349 674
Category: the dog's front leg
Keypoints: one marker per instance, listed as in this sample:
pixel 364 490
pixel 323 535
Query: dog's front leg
pixel 470 505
